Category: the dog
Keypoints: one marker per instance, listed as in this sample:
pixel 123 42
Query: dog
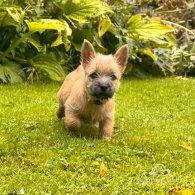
pixel 87 93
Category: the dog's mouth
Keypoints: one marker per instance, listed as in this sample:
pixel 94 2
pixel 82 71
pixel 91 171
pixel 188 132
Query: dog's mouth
pixel 98 102
pixel 101 93
pixel 103 96
pixel 101 99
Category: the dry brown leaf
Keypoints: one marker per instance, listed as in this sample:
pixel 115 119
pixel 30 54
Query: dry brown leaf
pixel 103 169
pixel 187 146
pixel 182 191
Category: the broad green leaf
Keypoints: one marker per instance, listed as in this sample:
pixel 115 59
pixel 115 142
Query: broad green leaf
pixel 67 45
pixel 100 48
pixel 11 72
pixel 45 24
pixel 148 52
pixel 7 20
pixel 16 13
pixel 35 43
pixel 82 10
pixel 79 36
pixel 135 20
pixel 104 26
pixel 171 39
pixel 66 42
pixel 3 74
pixel 143 27
pixel 58 41
pixel 67 29
pixel 47 64
pixel 49 24
pixel 62 39
pixel 160 41
pixel 168 40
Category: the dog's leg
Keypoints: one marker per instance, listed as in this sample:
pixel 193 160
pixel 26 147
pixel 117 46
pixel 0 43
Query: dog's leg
pixel 106 128
pixel 61 110
pixel 72 122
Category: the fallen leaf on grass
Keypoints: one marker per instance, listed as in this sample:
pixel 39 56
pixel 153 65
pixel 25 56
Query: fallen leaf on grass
pixel 182 191
pixel 103 169
pixel 187 146
pixel 181 78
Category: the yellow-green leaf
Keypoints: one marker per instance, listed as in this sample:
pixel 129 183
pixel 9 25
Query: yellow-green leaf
pixel 146 28
pixel 135 20
pixel 104 26
pixel 49 24
pixel 148 52
pixel 58 41
pixel 171 39
pixel 36 44
pixel 66 42
pixel 16 13
pixel 67 29
pixel 83 10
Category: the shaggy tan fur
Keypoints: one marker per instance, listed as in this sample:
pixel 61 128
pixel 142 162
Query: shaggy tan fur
pixel 75 101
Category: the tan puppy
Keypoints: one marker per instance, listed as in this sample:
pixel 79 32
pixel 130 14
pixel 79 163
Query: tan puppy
pixel 87 94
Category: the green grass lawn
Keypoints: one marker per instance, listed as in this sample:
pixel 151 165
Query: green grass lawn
pixel 153 118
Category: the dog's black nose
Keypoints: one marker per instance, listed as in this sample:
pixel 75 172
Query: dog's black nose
pixel 104 87
pixel 102 91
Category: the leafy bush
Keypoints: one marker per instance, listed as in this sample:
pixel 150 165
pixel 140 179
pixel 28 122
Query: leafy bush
pixel 183 60
pixel 34 36
pixel 181 13
pixel 43 38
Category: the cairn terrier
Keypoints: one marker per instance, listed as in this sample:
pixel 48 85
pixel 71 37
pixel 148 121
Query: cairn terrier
pixel 87 94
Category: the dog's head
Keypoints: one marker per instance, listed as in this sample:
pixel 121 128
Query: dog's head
pixel 103 72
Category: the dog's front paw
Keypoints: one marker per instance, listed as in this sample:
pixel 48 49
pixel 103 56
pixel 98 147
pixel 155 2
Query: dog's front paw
pixel 106 138
pixel 73 124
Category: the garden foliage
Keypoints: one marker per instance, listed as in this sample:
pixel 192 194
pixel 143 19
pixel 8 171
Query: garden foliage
pixel 42 38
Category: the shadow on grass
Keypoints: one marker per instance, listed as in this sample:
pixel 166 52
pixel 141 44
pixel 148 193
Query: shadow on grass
pixel 87 131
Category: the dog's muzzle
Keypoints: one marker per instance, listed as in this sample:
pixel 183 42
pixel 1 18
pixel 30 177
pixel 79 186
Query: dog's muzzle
pixel 103 91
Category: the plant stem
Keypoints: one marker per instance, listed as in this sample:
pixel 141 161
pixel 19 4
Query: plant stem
pixel 21 61
pixel 175 10
pixel 179 26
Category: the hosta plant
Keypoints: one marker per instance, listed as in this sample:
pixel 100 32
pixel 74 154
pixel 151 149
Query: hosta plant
pixel 43 38
pixel 31 32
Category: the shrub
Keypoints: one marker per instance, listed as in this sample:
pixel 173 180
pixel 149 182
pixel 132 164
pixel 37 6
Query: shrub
pixel 34 36
pixel 43 38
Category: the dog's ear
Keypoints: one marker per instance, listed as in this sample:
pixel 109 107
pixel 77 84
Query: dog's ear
pixel 87 52
pixel 121 56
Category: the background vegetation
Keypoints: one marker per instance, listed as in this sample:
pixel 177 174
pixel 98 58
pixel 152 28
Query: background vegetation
pixel 42 38
pixel 151 150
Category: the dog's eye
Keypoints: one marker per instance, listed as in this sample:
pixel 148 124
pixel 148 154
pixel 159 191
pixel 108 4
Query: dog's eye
pixel 94 75
pixel 113 77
